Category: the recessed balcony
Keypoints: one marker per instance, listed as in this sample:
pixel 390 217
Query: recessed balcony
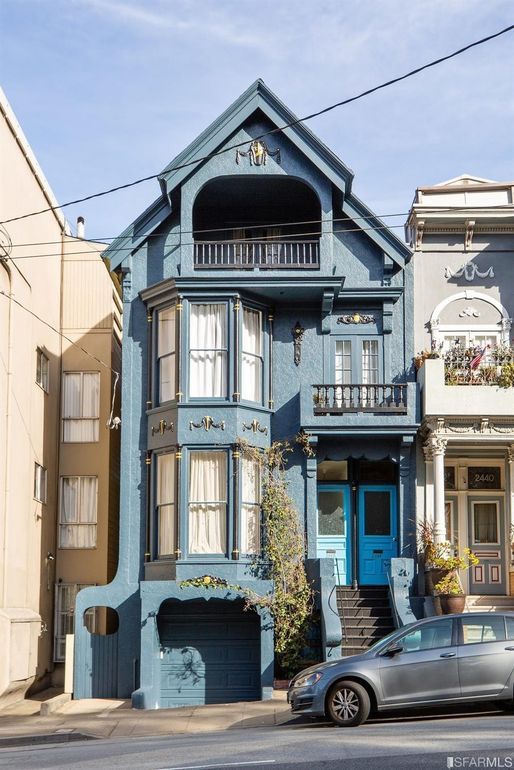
pixel 378 398
pixel 250 255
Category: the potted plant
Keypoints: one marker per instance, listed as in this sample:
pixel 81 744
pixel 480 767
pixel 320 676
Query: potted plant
pixel 429 552
pixel 449 588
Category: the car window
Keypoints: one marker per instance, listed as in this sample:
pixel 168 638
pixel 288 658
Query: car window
pixel 489 628
pixel 510 627
pixel 429 636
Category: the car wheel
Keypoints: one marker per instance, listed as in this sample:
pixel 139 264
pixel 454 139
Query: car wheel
pixel 348 704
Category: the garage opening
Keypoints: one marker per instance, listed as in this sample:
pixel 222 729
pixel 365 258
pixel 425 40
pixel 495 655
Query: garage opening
pixel 210 652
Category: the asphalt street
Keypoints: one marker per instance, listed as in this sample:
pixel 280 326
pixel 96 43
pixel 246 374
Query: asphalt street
pixel 471 739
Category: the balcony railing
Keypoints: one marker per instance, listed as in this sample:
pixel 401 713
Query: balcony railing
pixel 247 255
pixel 478 366
pixel 340 399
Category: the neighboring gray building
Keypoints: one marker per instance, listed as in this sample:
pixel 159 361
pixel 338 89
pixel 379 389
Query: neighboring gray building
pixel 462 233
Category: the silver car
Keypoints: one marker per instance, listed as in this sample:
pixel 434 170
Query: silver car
pixel 433 662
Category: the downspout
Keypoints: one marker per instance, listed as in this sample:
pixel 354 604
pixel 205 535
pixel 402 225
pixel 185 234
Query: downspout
pixel 7 434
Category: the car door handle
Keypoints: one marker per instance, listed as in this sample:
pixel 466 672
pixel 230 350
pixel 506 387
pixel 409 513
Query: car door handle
pixel 448 655
pixel 509 648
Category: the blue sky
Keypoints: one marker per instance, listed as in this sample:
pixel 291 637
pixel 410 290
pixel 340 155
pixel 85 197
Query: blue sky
pixel 111 90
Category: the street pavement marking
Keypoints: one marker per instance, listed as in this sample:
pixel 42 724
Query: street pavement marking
pixel 225 764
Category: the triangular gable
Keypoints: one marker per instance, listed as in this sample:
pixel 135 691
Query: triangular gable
pixel 258 96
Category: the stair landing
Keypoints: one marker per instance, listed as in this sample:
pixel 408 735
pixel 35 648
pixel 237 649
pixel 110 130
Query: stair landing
pixel 489 603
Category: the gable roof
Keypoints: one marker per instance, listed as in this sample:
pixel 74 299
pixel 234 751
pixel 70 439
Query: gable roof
pixel 258 96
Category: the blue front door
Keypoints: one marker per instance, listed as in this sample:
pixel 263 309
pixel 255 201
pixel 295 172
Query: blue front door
pixel 334 529
pixel 378 530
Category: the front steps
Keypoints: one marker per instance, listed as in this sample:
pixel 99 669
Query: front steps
pixel 489 603
pixel 365 616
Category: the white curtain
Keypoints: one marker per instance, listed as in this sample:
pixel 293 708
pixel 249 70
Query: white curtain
pixel 208 502
pixel 251 368
pixel 166 354
pixel 250 506
pixel 208 354
pixel 166 503
pixel 81 406
pixel 78 512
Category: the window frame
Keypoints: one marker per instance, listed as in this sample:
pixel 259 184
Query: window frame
pixel 226 350
pixel 42 370
pixel 228 502
pixel 261 357
pixel 65 419
pixel 473 501
pixel 77 523
pixel 254 504
pixel 175 353
pixel 453 643
pixel 156 505
pixel 479 619
pixel 69 614
pixel 40 483
pixel 356 356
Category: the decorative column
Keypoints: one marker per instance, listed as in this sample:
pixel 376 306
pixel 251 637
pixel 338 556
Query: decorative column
pixel 178 349
pixel 407 504
pixel 510 461
pixel 438 450
pixel 429 481
pixel 311 498
pixel 236 395
pixel 178 507
pixel 236 508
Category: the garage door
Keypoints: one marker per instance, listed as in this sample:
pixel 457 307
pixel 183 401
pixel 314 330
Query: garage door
pixel 209 658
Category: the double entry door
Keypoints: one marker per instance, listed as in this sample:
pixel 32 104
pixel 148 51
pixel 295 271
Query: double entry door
pixel 362 538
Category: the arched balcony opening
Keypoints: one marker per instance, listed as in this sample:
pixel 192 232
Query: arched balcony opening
pixel 249 222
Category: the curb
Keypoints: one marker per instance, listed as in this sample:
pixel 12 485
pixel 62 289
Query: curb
pixel 32 740
pixel 52 705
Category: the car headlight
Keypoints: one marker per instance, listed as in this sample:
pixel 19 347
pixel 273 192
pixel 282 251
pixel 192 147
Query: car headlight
pixel 307 681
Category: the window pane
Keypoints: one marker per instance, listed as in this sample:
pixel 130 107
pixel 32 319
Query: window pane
pixel 370 362
pixel 485 529
pixel 510 627
pixel 91 394
pixel 476 630
pixel 166 530
pixel 165 479
pixel 377 513
pixel 343 364
pixel 331 513
pixel 166 332
pixel 167 378
pixel 250 507
pixel 208 373
pixel 207 502
pixel 332 470
pixel 78 512
pixel 252 336
pixel 72 394
pixel 428 636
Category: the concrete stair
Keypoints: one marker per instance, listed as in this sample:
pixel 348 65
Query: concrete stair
pixel 365 616
pixel 489 603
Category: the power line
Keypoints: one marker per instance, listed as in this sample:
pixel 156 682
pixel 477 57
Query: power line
pixel 57 331
pixel 292 123
pixel 195 231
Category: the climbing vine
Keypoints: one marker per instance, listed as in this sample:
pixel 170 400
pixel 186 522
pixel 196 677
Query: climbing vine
pixel 291 601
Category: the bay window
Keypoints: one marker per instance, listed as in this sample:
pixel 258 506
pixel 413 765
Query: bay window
pixel 208 350
pixel 166 353
pixel 165 504
pixel 251 356
pixel 207 510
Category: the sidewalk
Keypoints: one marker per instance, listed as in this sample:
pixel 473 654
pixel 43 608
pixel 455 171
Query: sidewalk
pixel 100 718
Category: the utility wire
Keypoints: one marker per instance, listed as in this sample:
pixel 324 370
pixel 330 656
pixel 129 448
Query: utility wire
pixel 101 241
pixel 272 131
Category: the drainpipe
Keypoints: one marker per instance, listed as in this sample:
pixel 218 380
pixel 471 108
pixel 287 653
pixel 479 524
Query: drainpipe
pixel 355 584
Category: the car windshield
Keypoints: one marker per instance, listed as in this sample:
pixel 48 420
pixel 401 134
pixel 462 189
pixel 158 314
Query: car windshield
pixel 385 639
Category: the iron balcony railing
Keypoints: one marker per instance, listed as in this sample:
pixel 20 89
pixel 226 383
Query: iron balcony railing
pixel 340 399
pixel 247 255
pixel 477 365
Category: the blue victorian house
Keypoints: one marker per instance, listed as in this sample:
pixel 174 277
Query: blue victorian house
pixel 261 299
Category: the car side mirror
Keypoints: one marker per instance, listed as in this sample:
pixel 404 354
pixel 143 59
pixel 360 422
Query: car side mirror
pixel 392 650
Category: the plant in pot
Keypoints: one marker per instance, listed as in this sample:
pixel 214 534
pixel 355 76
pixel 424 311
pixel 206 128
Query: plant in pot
pixel 429 551
pixel 449 588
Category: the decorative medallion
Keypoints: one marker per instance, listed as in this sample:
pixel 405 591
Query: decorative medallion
pixel 298 332
pixel 255 426
pixel 258 153
pixel 470 271
pixel 356 318
pixel 207 423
